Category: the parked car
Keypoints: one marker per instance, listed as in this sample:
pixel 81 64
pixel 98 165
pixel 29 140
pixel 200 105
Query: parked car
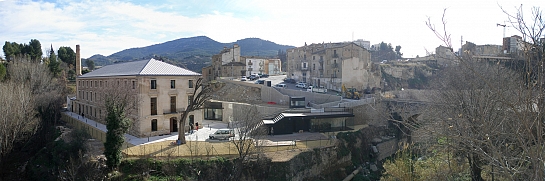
pixel 253 77
pixel 316 89
pixel 243 78
pixel 264 75
pixel 222 134
pixel 288 80
pixel 301 85
pixel 260 82
pixel 281 85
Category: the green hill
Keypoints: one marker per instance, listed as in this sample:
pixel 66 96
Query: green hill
pixel 193 53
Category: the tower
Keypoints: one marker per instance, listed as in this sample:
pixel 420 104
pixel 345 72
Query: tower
pixel 78 61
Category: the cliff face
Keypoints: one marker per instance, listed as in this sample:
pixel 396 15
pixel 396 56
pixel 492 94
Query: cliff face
pixel 351 150
pixel 406 75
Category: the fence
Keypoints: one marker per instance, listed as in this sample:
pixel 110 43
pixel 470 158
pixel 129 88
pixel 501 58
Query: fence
pixel 223 148
pixel 357 103
pixel 209 148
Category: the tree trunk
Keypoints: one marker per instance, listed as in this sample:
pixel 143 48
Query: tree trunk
pixel 475 167
pixel 181 128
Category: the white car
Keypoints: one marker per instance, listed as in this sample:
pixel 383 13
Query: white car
pixel 301 85
pixel 222 134
pixel 243 78
pixel 281 85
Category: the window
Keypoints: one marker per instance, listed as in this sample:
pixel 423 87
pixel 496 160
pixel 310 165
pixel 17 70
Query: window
pixel 172 84
pixel 313 57
pixel 189 99
pixel 101 83
pixel 154 125
pixel 173 104
pixel 153 84
pixel 153 105
pixel 133 84
pixel 313 66
pixel 190 83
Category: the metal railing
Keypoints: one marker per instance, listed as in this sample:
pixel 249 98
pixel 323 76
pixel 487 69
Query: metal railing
pixel 170 111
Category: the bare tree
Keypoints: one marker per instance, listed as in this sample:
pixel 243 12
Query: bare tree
pixel 201 94
pixel 28 94
pixel 17 118
pixel 118 99
pixel 248 131
pixel 491 113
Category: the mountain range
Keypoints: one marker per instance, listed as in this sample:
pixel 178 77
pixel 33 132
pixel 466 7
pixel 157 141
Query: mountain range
pixel 193 53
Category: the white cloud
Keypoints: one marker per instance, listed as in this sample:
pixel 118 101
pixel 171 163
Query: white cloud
pixel 105 27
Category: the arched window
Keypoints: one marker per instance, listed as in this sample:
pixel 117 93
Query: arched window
pixel 154 125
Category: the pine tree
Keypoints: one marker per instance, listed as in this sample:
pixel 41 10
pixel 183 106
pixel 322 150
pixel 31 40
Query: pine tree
pixel 53 63
pixel 117 125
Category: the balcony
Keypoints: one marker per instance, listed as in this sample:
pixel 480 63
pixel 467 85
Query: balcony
pixel 170 111
pixel 334 65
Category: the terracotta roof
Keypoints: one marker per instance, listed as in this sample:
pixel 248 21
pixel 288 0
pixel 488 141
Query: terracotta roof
pixel 143 67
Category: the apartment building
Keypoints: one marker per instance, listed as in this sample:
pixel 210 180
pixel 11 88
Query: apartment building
pixel 332 65
pixel 262 66
pixel 227 63
pixel 160 91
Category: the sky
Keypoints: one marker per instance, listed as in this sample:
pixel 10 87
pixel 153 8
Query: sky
pixel 109 26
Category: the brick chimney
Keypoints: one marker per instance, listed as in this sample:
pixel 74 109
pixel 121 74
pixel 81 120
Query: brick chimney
pixel 78 61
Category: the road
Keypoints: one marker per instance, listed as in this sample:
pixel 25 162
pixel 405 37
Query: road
pixel 278 79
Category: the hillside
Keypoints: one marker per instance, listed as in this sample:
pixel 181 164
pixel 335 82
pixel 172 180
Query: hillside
pixel 192 53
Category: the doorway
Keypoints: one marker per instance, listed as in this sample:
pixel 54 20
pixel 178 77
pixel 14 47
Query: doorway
pixel 173 124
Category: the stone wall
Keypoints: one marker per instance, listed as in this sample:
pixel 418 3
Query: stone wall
pixel 310 164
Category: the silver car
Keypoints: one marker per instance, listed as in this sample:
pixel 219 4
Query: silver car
pixel 222 134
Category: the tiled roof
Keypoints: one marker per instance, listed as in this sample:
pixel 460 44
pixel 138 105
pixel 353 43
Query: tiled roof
pixel 143 67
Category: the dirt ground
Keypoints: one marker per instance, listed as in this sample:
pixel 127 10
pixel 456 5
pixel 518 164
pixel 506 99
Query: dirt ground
pixel 238 93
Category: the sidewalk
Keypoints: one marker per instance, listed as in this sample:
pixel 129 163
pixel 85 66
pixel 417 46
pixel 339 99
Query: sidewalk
pixel 209 127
